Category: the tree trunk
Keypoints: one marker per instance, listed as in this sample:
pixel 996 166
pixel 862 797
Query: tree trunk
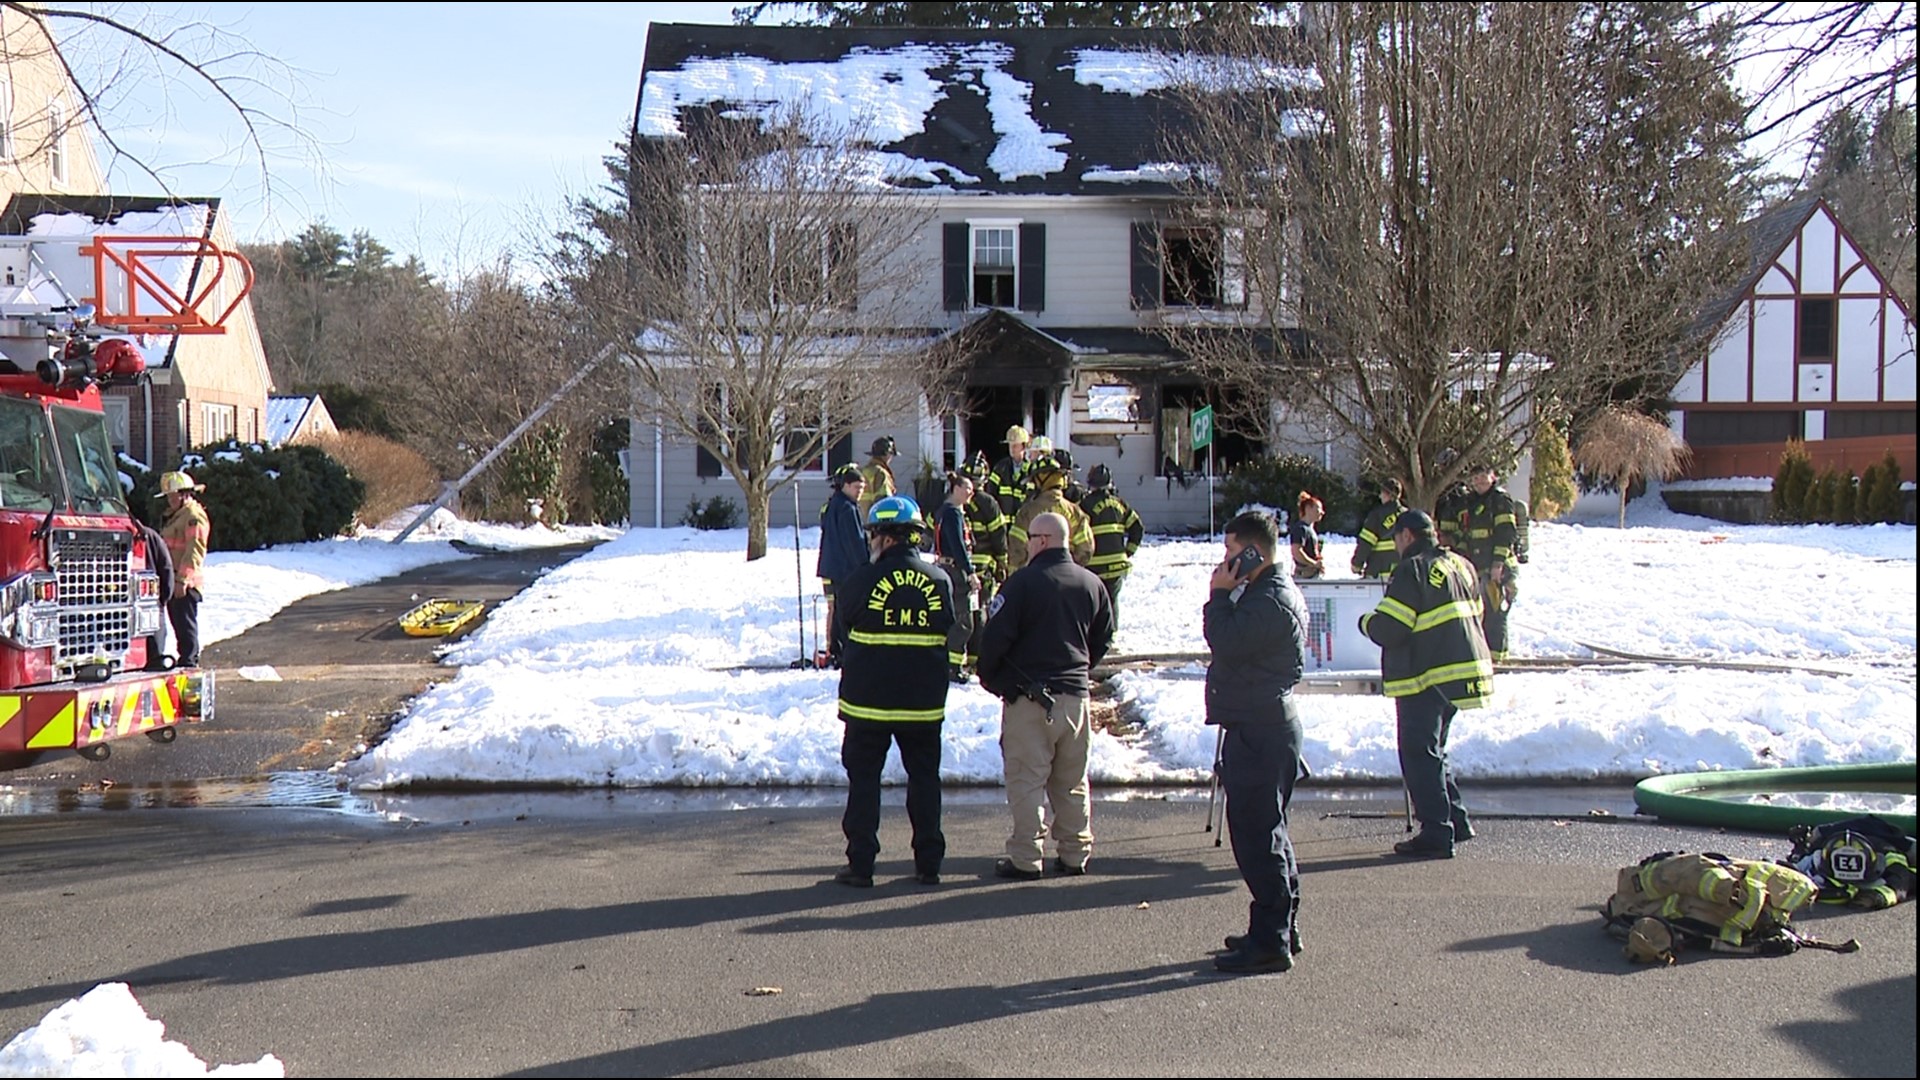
pixel 757 513
pixel 1623 502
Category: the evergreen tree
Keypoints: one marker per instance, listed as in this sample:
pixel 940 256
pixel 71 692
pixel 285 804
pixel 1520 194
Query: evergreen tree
pixel 1008 14
pixel 1886 499
pixel 1552 489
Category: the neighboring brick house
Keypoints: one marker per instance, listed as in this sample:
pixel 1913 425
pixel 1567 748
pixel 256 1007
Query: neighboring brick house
pixel 1058 239
pixel 1812 344
pixel 202 387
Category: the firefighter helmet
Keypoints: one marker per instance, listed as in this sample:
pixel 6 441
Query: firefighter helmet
pixel 884 446
pixel 178 481
pixel 1040 445
pixel 895 514
pixel 1017 436
pixel 1099 477
pixel 847 474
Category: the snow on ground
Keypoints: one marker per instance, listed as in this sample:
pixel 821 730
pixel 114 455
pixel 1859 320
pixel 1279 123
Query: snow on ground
pixel 105 1032
pixel 658 659
pixel 245 588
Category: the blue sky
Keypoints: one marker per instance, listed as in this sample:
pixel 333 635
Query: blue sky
pixel 445 130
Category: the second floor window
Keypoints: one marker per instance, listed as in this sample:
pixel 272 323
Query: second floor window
pixel 1817 328
pixel 994 247
pixel 1200 266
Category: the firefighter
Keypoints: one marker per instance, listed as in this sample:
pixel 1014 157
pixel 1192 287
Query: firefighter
pixel 953 552
pixel 1050 482
pixel 1008 482
pixel 1487 537
pixel 1373 553
pixel 1433 663
pixel 893 687
pixel 1074 492
pixel 843 547
pixel 185 531
pixel 878 474
pixel 989 550
pixel 1117 533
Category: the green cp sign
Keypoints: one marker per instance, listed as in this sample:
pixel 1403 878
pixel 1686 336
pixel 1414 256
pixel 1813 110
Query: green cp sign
pixel 1202 426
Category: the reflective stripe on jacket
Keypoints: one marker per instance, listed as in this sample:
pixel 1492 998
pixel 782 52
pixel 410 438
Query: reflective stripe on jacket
pixel 1117 533
pixel 185 532
pixel 1373 553
pixel 1428 629
pixel 1049 500
pixel 895 613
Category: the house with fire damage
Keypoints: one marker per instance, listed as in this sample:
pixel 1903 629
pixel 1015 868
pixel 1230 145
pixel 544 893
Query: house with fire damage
pixel 1055 249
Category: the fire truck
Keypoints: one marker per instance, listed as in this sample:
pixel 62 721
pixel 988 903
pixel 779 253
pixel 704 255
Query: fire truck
pixel 78 595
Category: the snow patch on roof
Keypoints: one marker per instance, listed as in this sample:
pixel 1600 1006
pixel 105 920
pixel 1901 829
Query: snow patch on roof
pixel 873 96
pixel 1143 71
pixel 1154 172
pixel 283 418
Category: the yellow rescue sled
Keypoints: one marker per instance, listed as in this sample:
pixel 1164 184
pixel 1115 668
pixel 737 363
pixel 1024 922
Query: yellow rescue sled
pixel 440 617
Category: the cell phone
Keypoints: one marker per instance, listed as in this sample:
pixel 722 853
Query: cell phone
pixel 1245 563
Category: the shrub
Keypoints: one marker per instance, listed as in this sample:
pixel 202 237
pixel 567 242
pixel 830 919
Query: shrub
pixel 258 497
pixel 534 472
pixel 606 484
pixel 396 476
pixel 1884 502
pixel 719 513
pixel 1278 481
pixel 1552 490
pixel 1791 483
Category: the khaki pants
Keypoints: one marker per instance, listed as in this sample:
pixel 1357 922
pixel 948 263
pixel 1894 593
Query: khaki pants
pixel 1046 765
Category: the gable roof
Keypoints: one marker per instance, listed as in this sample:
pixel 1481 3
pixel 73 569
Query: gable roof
pixel 1768 235
pixel 1005 111
pixel 284 417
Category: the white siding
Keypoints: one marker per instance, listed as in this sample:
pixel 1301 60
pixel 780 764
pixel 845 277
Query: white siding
pixel 1900 355
pixel 1816 255
pixel 1774 348
pixel 1855 278
pixel 1859 359
pixel 1691 386
pixel 1775 281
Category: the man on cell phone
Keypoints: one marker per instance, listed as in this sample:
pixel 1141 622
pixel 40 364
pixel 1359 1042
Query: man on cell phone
pixel 1051 622
pixel 1255 623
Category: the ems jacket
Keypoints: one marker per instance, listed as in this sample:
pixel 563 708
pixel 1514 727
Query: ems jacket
pixel 1117 533
pixel 879 480
pixel 1259 643
pixel 1008 484
pixel 1049 501
pixel 843 545
pixel 894 614
pixel 1373 554
pixel 989 546
pixel 1428 629
pixel 1487 528
pixel 185 532
pixel 1049 625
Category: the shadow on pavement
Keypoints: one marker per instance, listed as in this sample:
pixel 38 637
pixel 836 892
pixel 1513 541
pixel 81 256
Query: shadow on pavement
pixel 875 1020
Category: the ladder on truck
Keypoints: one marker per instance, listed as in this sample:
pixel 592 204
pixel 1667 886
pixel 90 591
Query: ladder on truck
pixel 136 284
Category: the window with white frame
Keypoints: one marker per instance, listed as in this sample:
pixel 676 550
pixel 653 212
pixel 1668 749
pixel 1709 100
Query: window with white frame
pixel 216 423
pixel 1201 267
pixel 119 422
pixel 995 263
pixel 800 424
pixel 57 140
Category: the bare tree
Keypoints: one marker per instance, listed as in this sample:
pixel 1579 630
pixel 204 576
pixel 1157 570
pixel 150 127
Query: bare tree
pixel 1822 57
pixel 1470 210
pixel 765 274
pixel 1627 447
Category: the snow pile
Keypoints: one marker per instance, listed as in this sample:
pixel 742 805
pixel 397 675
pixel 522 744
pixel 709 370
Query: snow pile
pixel 107 1033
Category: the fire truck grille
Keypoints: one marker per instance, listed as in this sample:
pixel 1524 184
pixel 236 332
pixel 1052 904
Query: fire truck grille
pixel 96 601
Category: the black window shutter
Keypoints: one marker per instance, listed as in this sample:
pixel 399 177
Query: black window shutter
pixel 704 463
pixel 840 453
pixel 953 265
pixel 843 271
pixel 1033 267
pixel 1146 265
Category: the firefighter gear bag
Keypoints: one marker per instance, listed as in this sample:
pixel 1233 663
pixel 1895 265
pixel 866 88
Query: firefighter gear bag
pixel 1863 862
pixel 1674 901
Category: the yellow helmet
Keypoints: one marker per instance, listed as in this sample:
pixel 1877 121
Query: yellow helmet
pixel 1016 435
pixel 177 481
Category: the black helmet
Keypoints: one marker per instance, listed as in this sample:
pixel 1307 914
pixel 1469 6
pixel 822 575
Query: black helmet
pixel 883 446
pixel 846 474
pixel 1099 476
pixel 1415 522
pixel 1065 457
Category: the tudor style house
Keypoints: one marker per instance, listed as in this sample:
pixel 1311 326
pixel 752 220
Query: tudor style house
pixel 203 387
pixel 1056 247
pixel 1812 344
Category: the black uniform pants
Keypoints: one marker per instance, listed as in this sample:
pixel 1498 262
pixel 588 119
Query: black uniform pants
pixel 184 613
pixel 863 751
pixel 1259 763
pixel 1113 593
pixel 1425 719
